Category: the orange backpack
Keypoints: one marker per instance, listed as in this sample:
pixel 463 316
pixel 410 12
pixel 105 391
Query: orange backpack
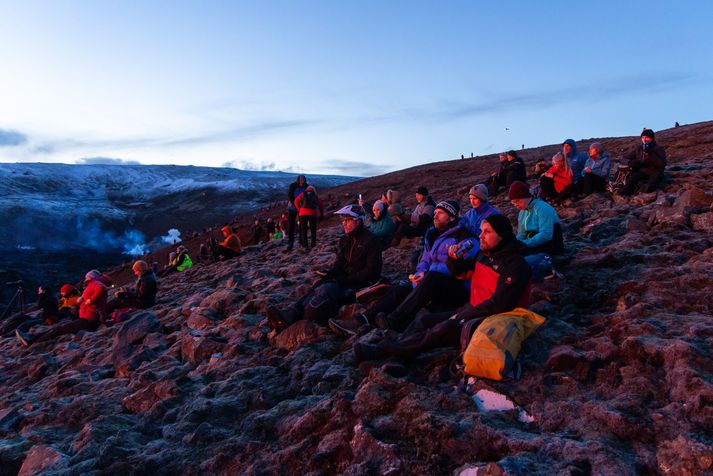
pixel 493 349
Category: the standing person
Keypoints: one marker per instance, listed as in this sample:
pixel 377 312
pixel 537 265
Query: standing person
pixel 556 179
pixel 282 224
pixel 421 218
pixel 144 293
pixel 296 188
pixel 596 170
pixel 357 264
pixel 92 310
pixel 647 162
pixel 258 235
pixel 309 207
pixel 270 227
pixel 500 283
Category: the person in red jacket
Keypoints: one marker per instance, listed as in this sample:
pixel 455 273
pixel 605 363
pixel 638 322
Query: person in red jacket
pixel 309 207
pixel 500 282
pixel 556 179
pixel 92 311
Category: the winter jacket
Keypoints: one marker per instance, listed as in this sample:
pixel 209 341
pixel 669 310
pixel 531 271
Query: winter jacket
pixel 146 289
pixel 294 191
pixel 69 301
pixel 576 160
pixel 232 242
pixel 93 305
pixel 310 212
pixel 472 220
pixel 535 224
pixel 435 247
pixel 49 306
pixel 183 261
pixel 422 215
pixel 600 166
pixel 358 261
pixel 560 176
pixel 515 171
pixel 500 282
pixel 651 161
pixel 383 228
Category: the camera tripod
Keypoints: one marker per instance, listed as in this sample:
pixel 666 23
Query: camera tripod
pixel 18 297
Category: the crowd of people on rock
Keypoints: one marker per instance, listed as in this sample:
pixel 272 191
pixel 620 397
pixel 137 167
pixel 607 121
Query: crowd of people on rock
pixel 466 266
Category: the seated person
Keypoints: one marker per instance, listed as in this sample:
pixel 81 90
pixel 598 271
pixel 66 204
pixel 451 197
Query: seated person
pixel 500 283
pixel 596 171
pixel 647 163
pixel 538 228
pixel 432 285
pixel 556 179
pixel 575 160
pixel 539 168
pixel 357 264
pixel 382 226
pixel 497 178
pixel 228 248
pixel 481 209
pixel 421 218
pixel 92 311
pixel 48 311
pixel 68 302
pixel 258 232
pixel 144 293
pixel 178 261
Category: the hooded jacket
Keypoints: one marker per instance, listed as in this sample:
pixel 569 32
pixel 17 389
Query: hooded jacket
pixel 294 190
pixel 575 159
pixel 93 305
pixel 600 167
pixel 358 261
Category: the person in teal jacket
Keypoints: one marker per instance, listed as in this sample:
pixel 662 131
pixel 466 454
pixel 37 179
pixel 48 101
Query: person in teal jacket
pixel 382 226
pixel 538 228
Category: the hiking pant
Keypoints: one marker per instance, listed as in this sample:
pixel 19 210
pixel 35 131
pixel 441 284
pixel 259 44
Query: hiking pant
pixel 71 327
pixel 591 183
pixel 649 180
pixel 321 304
pixel 426 332
pixel 405 230
pixel 553 247
pixel 494 183
pixel 437 291
pixel 547 188
pixel 219 250
pixel 305 221
pixel 124 302
pixel 541 265
pixel 291 223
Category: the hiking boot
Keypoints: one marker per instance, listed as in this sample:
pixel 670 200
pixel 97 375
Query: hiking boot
pixel 385 321
pixel 23 337
pixel 279 320
pixel 364 352
pixel 348 327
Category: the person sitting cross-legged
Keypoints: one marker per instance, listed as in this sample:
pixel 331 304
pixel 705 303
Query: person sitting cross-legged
pixel 500 283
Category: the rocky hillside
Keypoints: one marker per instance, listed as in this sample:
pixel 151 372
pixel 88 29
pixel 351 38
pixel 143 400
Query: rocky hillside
pixel 619 380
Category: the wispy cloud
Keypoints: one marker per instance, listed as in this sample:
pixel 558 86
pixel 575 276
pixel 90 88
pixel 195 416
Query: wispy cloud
pixel 352 168
pixel 106 161
pixel 598 91
pixel 9 138
pixel 253 165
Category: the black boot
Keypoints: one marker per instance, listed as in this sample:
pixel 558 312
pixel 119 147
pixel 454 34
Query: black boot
pixel 364 352
pixel 280 320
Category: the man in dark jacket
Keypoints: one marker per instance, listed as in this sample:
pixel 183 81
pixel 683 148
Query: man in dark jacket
pixel 647 164
pixel 421 218
pixel 432 285
pixel 500 283
pixel 356 265
pixel 296 188
pixel 144 293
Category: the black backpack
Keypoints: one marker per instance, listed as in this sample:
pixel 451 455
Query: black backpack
pixel 309 199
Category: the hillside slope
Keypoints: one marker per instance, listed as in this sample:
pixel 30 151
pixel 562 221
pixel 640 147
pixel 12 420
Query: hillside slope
pixel 617 381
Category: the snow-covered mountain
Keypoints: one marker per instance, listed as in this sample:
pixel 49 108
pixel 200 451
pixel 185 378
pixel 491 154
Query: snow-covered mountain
pixel 116 207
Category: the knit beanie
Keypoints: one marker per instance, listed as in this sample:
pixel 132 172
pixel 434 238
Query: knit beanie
pixel 502 226
pixel 378 205
pixel 480 191
pixel 227 229
pixel 648 133
pixel 93 274
pixel 518 190
pixel 451 207
pixel 66 289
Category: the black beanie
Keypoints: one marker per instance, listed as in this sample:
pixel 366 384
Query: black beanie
pixel 502 226
pixel 648 133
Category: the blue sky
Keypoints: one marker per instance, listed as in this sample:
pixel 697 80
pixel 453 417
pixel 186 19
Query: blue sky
pixel 355 88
